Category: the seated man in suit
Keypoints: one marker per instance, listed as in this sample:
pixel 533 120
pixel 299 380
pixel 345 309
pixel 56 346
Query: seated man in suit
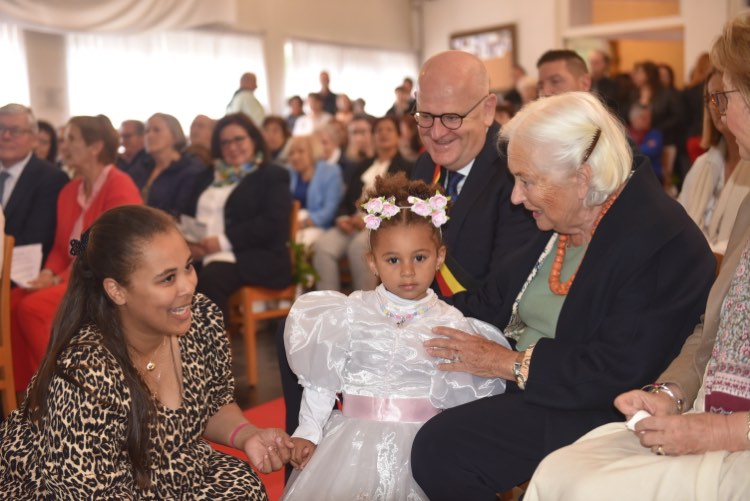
pixel 28 185
pixel 455 118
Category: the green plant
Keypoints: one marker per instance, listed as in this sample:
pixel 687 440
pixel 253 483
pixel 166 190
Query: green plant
pixel 303 273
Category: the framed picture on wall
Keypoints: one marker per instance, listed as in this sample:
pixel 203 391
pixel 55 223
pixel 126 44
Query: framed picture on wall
pixel 496 47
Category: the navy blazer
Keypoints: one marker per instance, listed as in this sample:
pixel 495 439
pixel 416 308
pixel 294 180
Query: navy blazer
pixel 256 222
pixel 31 211
pixel 484 225
pixel 639 292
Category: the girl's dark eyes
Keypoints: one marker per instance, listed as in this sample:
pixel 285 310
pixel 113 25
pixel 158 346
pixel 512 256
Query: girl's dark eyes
pixel 392 260
pixel 420 258
pixel 168 279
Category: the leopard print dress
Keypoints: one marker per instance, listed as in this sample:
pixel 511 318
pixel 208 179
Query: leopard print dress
pixel 79 451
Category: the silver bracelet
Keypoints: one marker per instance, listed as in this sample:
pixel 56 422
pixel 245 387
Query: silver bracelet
pixel 663 388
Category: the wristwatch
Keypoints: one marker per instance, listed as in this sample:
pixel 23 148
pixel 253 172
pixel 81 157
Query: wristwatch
pixel 520 379
pixel 521 367
pixel 663 388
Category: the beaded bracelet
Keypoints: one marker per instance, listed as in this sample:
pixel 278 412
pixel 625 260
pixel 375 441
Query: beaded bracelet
pixel 235 432
pixel 663 388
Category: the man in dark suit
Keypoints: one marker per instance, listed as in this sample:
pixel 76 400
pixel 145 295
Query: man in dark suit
pixel 455 116
pixel 28 185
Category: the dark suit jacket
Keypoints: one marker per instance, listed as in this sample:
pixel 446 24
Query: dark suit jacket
pixel 637 295
pixel 31 211
pixel 484 226
pixel 256 222
pixel 352 174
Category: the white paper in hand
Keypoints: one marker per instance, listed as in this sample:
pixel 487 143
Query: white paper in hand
pixel 641 414
pixel 193 230
pixel 26 264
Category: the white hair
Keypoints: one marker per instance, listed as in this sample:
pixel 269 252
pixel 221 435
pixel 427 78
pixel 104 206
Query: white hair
pixel 19 109
pixel 559 130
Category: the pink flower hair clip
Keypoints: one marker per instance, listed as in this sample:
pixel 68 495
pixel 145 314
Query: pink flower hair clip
pixel 381 208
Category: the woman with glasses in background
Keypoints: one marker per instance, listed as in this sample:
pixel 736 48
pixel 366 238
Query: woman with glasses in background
pixel 245 204
pixel 719 179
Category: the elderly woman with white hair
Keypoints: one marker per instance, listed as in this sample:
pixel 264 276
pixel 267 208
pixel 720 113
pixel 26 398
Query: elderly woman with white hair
pixel 621 281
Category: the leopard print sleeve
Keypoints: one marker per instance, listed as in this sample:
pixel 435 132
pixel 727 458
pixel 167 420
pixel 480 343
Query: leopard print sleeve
pixel 81 443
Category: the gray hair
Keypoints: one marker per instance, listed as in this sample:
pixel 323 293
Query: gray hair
pixel 560 132
pixel 19 109
pixel 173 125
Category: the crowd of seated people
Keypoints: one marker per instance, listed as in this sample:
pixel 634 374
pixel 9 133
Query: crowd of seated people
pixel 233 182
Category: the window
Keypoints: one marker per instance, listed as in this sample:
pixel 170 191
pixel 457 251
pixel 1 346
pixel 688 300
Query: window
pixel 371 74
pixel 180 73
pixel 15 87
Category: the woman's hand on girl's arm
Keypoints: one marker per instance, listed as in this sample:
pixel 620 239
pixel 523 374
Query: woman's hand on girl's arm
pixel 469 353
pixel 694 433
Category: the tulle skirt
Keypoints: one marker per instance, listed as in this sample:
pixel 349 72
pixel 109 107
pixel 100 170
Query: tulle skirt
pixel 359 459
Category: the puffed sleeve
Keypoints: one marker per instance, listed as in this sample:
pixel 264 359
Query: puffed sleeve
pixel 450 389
pixel 83 437
pixel 316 338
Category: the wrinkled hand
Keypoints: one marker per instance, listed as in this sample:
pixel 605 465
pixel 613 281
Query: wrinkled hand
pixel 343 224
pixel 656 404
pixel 211 244
pixel 45 279
pixel 303 451
pixel 692 433
pixel 476 355
pixel 269 449
pixel 197 250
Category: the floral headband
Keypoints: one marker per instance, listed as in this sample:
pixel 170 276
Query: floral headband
pixel 381 208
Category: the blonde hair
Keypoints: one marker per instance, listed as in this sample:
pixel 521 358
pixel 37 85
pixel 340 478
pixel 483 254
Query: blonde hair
pixel 731 52
pixel 560 131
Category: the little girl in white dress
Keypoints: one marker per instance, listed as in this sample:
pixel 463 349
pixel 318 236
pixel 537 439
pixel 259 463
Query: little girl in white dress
pixel 368 347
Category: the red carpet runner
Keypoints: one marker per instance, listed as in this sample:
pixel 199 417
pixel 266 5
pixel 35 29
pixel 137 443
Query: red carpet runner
pixel 268 415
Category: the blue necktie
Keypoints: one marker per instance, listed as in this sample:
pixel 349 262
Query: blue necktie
pixel 452 189
pixel 3 176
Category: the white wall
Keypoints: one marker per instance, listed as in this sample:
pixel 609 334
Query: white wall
pixel 385 24
pixel 536 26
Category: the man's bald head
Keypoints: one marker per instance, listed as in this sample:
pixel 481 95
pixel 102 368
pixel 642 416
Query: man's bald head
pixel 455 82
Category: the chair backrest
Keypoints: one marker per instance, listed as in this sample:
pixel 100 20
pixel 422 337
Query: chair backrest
pixel 7 383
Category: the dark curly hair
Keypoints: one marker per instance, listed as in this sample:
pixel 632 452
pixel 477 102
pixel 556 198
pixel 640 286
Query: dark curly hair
pixel 400 188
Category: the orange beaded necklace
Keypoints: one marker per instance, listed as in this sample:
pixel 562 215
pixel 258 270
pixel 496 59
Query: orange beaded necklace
pixel 561 289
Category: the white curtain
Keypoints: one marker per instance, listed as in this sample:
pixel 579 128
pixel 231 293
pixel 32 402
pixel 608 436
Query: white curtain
pixel 182 74
pixel 14 82
pixel 371 74
pixel 117 15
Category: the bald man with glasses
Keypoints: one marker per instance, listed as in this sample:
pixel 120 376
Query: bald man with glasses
pixel 455 118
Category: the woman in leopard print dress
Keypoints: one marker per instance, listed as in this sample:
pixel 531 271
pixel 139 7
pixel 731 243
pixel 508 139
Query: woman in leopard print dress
pixel 136 374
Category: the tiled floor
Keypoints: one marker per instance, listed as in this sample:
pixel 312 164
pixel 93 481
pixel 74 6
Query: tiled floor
pixel 269 383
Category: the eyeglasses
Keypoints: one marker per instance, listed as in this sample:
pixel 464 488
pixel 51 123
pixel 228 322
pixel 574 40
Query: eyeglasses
pixel 13 131
pixel 235 140
pixel 721 101
pixel 450 121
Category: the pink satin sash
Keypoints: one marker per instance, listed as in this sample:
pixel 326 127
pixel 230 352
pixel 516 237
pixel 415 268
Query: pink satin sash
pixel 406 410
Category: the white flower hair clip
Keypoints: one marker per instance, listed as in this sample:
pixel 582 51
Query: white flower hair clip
pixel 381 208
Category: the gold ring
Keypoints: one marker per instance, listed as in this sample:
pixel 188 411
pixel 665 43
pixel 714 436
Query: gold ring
pixel 456 358
pixel 660 451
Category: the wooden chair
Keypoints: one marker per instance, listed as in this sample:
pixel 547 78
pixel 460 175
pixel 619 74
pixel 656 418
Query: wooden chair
pixel 7 383
pixel 242 316
pixel 719 258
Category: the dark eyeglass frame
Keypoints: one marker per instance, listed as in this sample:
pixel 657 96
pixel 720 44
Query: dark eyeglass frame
pixel 225 143
pixel 720 100
pixel 425 117
pixel 14 132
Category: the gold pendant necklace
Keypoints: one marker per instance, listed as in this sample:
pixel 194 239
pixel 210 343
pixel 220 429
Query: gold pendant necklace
pixel 151 365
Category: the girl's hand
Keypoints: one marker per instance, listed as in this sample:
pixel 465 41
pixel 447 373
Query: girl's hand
pixel 303 451
pixel 269 449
